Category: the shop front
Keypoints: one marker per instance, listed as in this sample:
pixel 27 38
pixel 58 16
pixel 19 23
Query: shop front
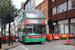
pixel 72 26
pixel 61 29
pixel 63 26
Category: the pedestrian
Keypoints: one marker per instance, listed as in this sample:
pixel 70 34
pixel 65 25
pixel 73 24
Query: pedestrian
pixel 16 35
pixel 56 30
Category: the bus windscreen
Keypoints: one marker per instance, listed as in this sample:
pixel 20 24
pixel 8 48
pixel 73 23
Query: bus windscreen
pixel 35 29
pixel 34 14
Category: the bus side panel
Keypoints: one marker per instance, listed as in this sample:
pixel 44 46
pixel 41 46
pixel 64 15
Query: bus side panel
pixel 24 36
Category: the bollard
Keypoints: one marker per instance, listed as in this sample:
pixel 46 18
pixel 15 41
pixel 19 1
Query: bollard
pixel 0 43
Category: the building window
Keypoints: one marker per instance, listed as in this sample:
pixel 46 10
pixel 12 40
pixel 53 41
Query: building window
pixel 53 0
pixel 45 12
pixel 63 28
pixel 61 8
pixel 45 3
pixel 71 4
pixel 72 28
pixel 54 11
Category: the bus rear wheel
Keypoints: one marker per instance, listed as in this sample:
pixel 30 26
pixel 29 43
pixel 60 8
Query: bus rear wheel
pixel 39 42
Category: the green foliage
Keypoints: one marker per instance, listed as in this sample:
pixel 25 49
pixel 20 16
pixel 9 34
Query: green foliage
pixel 5 7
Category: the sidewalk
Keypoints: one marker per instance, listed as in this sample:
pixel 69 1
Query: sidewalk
pixel 64 41
pixel 5 46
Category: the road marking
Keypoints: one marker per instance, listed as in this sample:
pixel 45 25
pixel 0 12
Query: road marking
pixel 24 47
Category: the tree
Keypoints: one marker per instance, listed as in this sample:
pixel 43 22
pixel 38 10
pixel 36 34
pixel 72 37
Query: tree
pixel 5 7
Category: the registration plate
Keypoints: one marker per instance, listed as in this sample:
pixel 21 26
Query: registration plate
pixel 35 41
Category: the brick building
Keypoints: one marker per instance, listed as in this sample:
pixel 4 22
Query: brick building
pixel 31 4
pixel 43 6
pixel 63 14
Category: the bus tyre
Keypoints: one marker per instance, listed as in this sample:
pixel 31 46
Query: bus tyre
pixel 39 42
pixel 22 39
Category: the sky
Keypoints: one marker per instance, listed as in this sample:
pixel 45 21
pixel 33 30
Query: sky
pixel 17 3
